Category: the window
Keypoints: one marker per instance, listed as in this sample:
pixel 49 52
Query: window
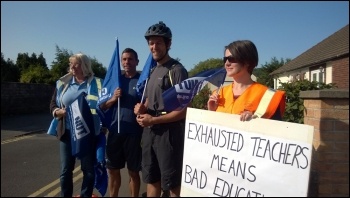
pixel 317 74
pixel 320 77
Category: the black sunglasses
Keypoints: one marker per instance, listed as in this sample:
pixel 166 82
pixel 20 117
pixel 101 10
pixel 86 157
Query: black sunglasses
pixel 230 59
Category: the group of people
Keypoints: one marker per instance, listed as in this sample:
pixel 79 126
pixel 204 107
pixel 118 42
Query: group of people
pixel 150 139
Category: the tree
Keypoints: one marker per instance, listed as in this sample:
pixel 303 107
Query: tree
pixel 263 74
pixel 33 69
pixel 206 65
pixel 42 61
pixel 60 65
pixel 98 68
pixel 36 74
pixel 24 61
pixel 9 71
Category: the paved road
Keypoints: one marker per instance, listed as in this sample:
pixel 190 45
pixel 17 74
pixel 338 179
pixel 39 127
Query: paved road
pixel 37 124
pixel 12 126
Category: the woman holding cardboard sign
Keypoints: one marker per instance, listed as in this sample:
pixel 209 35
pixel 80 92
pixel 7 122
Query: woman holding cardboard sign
pixel 244 96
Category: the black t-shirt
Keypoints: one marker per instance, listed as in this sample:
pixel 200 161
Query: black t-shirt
pixel 159 82
pixel 129 98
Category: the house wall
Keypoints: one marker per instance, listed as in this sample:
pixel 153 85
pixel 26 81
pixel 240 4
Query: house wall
pixel 288 77
pixel 340 73
pixel 328 112
pixel 335 72
pixel 328 73
pixel 280 80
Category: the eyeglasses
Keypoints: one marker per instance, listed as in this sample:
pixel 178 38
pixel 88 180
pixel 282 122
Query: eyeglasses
pixel 230 59
pixel 74 64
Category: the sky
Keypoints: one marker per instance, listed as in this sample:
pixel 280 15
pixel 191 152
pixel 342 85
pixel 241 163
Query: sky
pixel 201 30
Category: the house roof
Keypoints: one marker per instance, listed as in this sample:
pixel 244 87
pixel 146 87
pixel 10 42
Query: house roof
pixel 333 47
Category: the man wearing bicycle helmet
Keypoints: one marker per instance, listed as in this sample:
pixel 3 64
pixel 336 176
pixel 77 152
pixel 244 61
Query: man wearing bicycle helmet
pixel 163 133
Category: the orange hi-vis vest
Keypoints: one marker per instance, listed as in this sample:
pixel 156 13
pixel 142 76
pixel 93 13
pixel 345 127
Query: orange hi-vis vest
pixel 256 97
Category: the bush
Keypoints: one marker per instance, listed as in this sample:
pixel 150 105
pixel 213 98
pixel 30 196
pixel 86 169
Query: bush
pixel 294 104
pixel 201 99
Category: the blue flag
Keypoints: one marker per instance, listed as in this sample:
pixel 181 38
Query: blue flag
pixel 141 83
pixel 178 96
pixel 101 177
pixel 82 136
pixel 81 126
pixel 110 83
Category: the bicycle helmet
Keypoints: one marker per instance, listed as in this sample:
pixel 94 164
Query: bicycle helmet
pixel 159 29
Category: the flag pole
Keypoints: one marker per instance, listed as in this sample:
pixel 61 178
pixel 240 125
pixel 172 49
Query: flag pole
pixel 218 92
pixel 118 98
pixel 118 115
pixel 143 93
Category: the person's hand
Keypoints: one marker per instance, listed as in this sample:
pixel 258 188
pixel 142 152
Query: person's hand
pixel 247 115
pixel 104 130
pixel 144 120
pixel 213 102
pixel 60 113
pixel 108 104
pixel 139 109
pixel 117 93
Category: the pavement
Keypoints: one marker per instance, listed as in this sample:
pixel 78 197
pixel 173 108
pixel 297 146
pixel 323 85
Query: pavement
pixel 19 125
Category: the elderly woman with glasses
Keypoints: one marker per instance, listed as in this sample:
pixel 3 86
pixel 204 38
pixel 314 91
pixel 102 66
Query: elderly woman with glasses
pixel 80 79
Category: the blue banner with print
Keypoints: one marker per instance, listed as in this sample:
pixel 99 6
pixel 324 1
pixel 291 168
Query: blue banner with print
pixel 81 126
pixel 178 96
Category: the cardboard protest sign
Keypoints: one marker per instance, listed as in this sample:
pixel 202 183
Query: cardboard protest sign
pixel 224 156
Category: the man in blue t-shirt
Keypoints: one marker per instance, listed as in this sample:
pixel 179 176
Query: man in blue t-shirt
pixel 124 146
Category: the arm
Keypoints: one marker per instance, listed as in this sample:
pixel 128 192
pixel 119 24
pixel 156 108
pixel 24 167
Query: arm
pixel 146 120
pixel 53 105
pixel 141 108
pixel 56 111
pixel 116 95
pixel 170 117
